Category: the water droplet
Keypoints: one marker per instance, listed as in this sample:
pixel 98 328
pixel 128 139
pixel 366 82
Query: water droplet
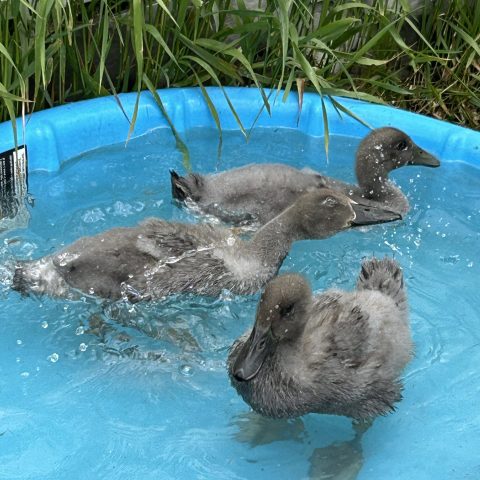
pixel 186 370
pixel 94 215
pixel 82 347
pixel 470 264
pixel 19 342
pixel 91 291
pixel 226 295
pixel 53 357
pixel 122 209
pixel 25 374
pixel 80 331
pixel 231 241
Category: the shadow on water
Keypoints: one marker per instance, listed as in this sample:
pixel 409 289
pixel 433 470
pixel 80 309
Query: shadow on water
pixel 337 461
pixel 257 430
pixel 126 331
pixel 177 329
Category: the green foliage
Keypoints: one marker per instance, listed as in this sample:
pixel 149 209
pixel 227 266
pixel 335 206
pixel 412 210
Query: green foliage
pixel 57 51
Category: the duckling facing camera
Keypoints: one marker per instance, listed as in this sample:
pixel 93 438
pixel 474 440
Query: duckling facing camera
pixel 336 353
pixel 159 258
pixel 254 194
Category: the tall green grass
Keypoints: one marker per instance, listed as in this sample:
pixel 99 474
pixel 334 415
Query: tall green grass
pixel 57 51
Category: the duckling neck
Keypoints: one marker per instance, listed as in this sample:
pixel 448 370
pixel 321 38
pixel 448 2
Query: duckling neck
pixel 372 179
pixel 273 241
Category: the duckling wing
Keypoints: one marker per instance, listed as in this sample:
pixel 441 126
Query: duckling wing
pixel 340 330
pixel 350 338
pixel 254 193
pixel 351 364
pixel 186 258
pixel 164 240
pixel 373 386
pixel 155 259
pixel 99 265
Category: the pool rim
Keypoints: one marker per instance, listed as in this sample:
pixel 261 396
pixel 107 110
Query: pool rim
pixel 58 134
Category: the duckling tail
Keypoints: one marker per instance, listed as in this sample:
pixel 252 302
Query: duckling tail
pixel 384 275
pixel 20 282
pixel 186 187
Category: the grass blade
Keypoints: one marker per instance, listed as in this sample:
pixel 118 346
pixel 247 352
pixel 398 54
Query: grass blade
pixel 182 147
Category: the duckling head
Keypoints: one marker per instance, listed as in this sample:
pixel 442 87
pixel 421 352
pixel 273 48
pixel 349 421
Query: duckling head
pixel 385 149
pixel 324 212
pixel 281 317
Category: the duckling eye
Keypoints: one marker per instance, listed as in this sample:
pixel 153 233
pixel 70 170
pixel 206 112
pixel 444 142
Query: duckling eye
pixel 286 310
pixel 401 145
pixel 261 344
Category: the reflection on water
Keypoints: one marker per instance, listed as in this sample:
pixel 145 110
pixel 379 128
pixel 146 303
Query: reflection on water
pixel 336 461
pixel 339 461
pixel 257 430
pixel 92 389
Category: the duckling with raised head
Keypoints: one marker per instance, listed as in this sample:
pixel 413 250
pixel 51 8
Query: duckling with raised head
pixel 254 194
pixel 159 258
pixel 336 353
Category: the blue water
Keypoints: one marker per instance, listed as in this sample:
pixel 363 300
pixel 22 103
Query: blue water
pixel 94 390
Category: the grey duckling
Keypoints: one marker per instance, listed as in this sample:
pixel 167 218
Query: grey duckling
pixel 335 353
pixel 254 194
pixel 158 258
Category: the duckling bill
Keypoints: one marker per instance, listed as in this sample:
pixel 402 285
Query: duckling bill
pixel 335 353
pixel 158 258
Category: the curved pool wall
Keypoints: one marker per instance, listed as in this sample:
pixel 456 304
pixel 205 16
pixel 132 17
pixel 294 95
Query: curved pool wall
pixel 55 135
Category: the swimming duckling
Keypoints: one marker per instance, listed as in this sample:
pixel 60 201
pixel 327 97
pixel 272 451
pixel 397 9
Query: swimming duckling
pixel 159 258
pixel 336 353
pixel 254 194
